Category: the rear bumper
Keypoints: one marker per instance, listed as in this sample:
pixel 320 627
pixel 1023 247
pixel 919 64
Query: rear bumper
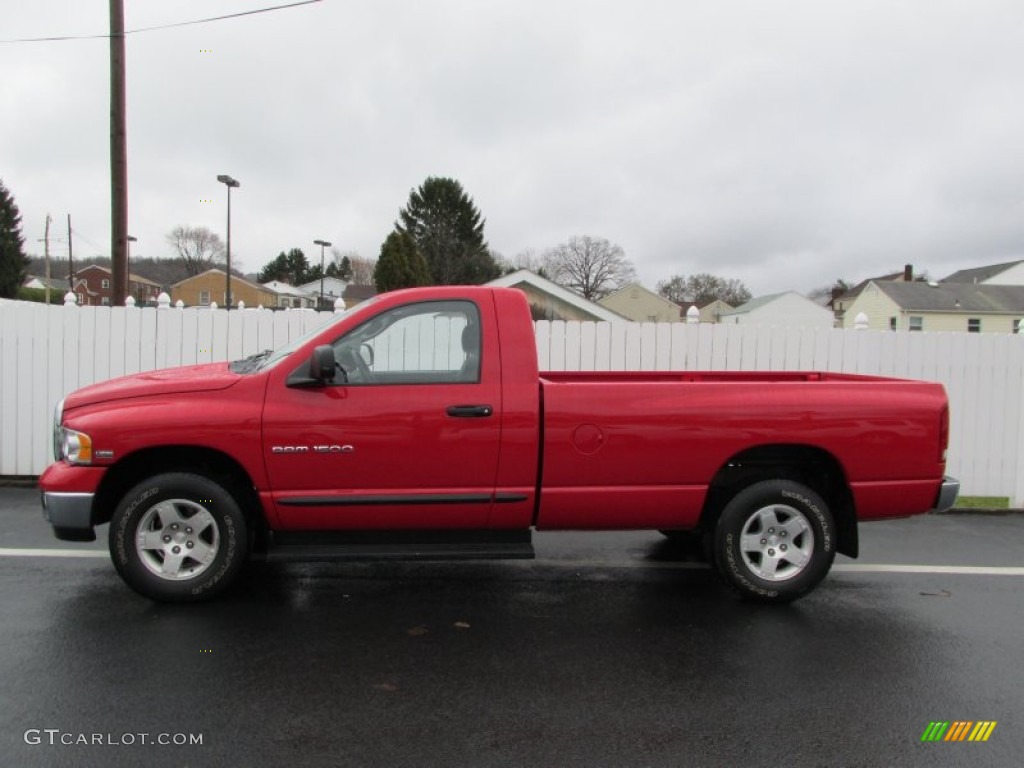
pixel 948 492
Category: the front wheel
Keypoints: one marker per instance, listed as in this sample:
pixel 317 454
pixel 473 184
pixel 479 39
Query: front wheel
pixel 178 537
pixel 775 541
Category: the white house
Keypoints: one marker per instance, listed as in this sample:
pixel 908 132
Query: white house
pixel 1011 273
pixel 781 309
pixel 290 296
pixel 957 306
pixel 334 288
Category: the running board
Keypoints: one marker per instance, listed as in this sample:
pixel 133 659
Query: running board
pixel 296 546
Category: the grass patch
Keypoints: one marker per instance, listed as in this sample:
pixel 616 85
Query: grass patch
pixel 982 502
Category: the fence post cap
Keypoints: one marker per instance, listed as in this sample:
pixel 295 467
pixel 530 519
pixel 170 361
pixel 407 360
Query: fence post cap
pixel 213 305
pixel 241 304
pixel 179 304
pixel 70 300
pixel 339 305
pixel 860 322
pixel 693 314
pixel 163 301
pixel 129 301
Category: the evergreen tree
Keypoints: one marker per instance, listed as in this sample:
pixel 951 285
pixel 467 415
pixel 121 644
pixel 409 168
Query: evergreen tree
pixel 400 265
pixel 13 263
pixel 345 268
pixel 448 230
pixel 291 268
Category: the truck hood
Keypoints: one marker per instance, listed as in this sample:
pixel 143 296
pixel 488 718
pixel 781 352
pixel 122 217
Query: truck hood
pixel 192 378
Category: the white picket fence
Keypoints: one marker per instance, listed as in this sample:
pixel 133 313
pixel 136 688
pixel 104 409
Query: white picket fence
pixel 46 352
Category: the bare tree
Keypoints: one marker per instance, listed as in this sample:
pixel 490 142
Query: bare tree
pixel 525 259
pixel 590 266
pixel 702 289
pixel 198 248
pixel 362 269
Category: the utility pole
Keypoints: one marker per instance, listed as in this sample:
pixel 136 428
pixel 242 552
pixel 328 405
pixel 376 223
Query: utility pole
pixel 46 251
pixel 118 159
pixel 71 261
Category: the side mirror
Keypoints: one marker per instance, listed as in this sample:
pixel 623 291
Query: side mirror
pixel 322 365
pixel 366 352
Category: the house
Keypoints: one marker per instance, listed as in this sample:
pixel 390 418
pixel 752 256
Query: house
pixel 59 286
pixel 357 294
pixel 840 301
pixel 781 309
pixel 943 306
pixel 550 301
pixel 333 288
pixel 1011 273
pixel 642 305
pixel 288 296
pixel 211 286
pixel 93 287
pixel 709 313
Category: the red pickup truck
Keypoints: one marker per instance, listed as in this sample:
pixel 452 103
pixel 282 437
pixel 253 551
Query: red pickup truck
pixel 417 425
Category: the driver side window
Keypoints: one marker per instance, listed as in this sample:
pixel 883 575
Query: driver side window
pixel 434 342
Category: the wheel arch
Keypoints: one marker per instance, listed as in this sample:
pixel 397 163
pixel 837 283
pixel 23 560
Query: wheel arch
pixel 210 463
pixel 810 465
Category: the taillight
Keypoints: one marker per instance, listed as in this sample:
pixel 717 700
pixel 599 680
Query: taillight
pixel 943 433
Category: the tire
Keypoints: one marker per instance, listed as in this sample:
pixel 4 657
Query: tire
pixel 774 541
pixel 178 537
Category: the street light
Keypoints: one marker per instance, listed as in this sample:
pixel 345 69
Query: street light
pixel 323 244
pixel 229 182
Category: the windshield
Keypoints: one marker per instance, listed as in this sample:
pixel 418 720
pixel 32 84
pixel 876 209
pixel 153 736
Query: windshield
pixel 267 359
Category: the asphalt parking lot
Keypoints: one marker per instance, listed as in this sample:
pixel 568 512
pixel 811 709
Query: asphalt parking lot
pixel 609 650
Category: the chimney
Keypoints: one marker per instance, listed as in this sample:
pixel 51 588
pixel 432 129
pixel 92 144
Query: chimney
pixel 908 273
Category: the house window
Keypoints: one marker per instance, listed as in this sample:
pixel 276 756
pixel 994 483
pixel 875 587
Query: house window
pixel 1016 325
pixel 105 284
pixel 916 323
pixel 81 299
pixel 204 298
pixel 974 325
pixel 892 323
pixel 105 301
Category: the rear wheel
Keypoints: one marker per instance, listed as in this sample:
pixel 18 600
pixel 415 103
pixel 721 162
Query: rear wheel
pixel 178 537
pixel 775 541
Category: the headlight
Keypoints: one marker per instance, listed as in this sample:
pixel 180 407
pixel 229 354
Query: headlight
pixel 76 447
pixel 58 414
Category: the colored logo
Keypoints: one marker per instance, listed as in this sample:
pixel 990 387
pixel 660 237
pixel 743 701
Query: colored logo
pixel 958 730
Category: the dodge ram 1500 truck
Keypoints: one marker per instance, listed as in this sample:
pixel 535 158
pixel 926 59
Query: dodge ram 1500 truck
pixel 417 425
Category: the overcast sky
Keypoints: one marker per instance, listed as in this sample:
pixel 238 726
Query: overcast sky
pixel 779 142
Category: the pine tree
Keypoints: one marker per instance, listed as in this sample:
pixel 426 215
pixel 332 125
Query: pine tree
pixel 447 228
pixel 400 265
pixel 13 264
pixel 291 268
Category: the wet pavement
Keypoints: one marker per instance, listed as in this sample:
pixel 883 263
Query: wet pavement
pixel 606 651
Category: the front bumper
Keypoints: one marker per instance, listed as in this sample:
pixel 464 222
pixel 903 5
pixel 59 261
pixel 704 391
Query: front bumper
pixel 70 514
pixel 948 492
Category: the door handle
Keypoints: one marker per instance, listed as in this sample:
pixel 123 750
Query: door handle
pixel 470 411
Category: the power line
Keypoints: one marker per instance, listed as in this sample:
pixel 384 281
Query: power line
pixel 162 26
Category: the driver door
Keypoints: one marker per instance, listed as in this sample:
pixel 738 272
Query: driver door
pixel 406 436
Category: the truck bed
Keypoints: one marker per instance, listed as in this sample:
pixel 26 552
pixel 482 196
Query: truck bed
pixel 741 377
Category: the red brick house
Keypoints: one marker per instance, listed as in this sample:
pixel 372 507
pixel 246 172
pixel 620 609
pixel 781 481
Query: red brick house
pixel 92 287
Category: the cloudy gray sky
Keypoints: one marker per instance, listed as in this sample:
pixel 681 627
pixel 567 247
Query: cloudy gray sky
pixel 781 142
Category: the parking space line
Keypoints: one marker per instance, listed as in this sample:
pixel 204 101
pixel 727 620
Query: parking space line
pixel 26 552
